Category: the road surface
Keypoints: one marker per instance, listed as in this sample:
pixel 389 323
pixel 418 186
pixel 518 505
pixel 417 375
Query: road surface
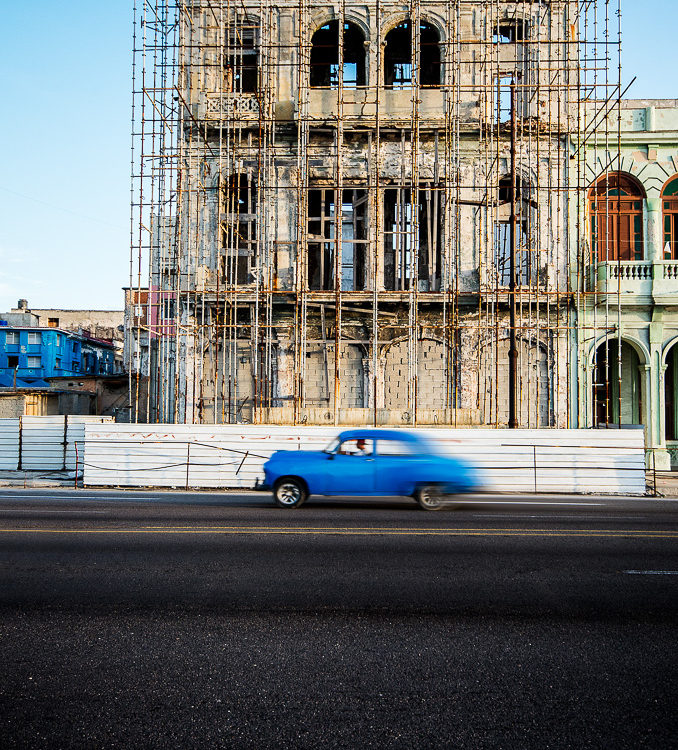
pixel 134 619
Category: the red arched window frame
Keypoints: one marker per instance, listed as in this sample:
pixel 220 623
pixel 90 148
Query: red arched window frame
pixel 616 209
pixel 670 208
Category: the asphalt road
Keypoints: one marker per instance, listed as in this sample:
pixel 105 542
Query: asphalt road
pixel 186 620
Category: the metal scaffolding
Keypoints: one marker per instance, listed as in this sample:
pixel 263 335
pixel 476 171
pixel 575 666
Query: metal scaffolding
pixel 359 213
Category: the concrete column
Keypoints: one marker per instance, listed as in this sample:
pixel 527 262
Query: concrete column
pixel 285 373
pixel 187 396
pixel 586 403
pixel 662 406
pixel 379 395
pixel 654 250
pixel 653 408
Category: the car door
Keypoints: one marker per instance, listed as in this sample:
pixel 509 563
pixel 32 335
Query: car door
pixel 350 470
pixel 395 463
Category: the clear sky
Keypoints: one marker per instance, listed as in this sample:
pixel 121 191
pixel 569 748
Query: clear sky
pixel 65 134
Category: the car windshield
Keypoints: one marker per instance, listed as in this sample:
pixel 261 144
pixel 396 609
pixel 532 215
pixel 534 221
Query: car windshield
pixel 332 447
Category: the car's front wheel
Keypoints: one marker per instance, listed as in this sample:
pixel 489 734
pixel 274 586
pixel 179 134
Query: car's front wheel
pixel 289 492
pixel 430 497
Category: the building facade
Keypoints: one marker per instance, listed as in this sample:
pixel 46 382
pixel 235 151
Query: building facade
pixel 363 210
pixel 628 274
pixel 29 355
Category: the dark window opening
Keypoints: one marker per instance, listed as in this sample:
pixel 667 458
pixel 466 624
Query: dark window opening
pixel 429 56
pixel 12 362
pixel 527 256
pixel 239 230
pixel 52 322
pixel 670 390
pixel 325 56
pixel 241 58
pixel 503 104
pixel 399 71
pixel 617 396
pixel 509 32
pixel 322 239
pixel 412 239
pixel 616 206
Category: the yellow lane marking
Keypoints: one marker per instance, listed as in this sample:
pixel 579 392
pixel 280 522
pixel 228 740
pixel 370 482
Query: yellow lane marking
pixel 354 531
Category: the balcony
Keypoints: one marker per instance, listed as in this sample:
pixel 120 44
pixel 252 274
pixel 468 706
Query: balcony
pixel 636 282
pixel 229 107
pixel 360 105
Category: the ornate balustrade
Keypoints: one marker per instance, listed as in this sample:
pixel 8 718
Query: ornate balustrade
pixel 632 280
pixel 232 106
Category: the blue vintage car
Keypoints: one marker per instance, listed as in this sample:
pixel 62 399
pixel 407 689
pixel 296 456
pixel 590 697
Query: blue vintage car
pixel 369 462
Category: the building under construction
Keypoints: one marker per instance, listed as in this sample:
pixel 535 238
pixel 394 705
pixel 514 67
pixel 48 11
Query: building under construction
pixel 365 212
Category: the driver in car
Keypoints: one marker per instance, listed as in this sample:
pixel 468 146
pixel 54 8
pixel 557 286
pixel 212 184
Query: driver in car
pixel 361 448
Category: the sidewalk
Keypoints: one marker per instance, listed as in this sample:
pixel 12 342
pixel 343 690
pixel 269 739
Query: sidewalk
pixel 667 483
pixel 38 479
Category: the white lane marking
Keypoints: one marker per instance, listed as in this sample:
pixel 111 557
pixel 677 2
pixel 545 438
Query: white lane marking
pixel 46 510
pixel 522 502
pixel 556 515
pixel 651 572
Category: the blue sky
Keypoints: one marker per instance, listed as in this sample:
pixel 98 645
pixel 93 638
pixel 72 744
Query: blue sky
pixel 65 131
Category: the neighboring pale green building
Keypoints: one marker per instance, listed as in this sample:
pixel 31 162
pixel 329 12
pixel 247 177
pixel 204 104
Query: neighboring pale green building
pixel 626 276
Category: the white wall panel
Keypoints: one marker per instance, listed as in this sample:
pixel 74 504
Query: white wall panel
pixel 232 456
pixel 9 444
pixel 43 443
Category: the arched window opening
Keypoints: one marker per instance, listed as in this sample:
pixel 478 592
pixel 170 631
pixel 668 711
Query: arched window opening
pixel 617 397
pixel 242 57
pixel 239 230
pixel 527 258
pixel 670 206
pixel 325 56
pixel 616 206
pixel 429 56
pixel 399 71
pixel 413 238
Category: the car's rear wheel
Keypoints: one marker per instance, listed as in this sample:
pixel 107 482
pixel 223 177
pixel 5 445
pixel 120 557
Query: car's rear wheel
pixel 430 497
pixel 289 492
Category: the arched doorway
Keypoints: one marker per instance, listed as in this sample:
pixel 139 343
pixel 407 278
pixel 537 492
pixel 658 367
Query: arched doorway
pixel 671 395
pixel 533 386
pixel 617 388
pixel 319 377
pixel 432 376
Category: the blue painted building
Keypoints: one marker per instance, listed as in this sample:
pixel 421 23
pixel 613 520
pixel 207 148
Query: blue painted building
pixel 28 355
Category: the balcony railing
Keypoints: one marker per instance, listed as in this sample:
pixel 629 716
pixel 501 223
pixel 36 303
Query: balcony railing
pixel 640 278
pixel 630 271
pixel 232 106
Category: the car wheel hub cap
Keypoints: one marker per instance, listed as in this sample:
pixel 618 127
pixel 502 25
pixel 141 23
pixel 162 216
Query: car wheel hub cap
pixel 288 494
pixel 431 497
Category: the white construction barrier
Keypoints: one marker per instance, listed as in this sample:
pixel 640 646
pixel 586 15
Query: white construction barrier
pixel 232 456
pixel 9 444
pixel 43 443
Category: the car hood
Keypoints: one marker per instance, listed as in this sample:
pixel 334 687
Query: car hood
pixel 299 455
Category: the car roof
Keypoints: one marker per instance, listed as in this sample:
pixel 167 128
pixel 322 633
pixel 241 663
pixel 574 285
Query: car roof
pixel 369 432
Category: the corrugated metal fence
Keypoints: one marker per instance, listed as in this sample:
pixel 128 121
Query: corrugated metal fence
pixel 43 443
pixel 226 456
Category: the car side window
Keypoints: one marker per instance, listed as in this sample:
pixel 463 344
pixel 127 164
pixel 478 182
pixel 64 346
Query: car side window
pixel 394 448
pixel 356 447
